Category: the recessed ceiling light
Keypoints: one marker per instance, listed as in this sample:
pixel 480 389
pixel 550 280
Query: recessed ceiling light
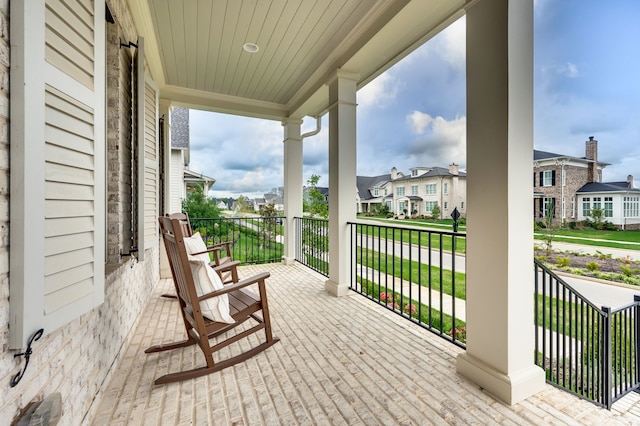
pixel 250 47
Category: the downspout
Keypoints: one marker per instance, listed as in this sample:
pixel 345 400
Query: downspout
pixel 313 132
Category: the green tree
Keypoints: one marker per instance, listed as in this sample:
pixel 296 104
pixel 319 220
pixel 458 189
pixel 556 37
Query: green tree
pixel 597 217
pixel 269 228
pixel 198 205
pixel 435 212
pixel 317 205
pixel 383 209
pixel 244 204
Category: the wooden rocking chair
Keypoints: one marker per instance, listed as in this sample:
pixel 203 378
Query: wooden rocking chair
pixel 243 305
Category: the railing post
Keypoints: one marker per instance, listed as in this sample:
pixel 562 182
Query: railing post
pixel 636 337
pixel 606 357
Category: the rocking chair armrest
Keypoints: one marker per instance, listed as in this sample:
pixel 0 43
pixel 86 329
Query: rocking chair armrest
pixel 223 245
pixel 227 266
pixel 256 279
pixel 209 250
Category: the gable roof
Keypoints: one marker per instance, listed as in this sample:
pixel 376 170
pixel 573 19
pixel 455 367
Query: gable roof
pixel 180 128
pixel 544 155
pixel 433 172
pixel 365 183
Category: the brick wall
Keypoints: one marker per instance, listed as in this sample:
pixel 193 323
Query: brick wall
pixel 4 180
pixel 77 359
pixel 576 177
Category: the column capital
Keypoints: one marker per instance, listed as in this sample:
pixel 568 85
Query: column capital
pixel 289 121
pixel 292 129
pixel 343 74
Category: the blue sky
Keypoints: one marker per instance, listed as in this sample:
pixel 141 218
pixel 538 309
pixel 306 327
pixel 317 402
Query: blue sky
pixel 586 67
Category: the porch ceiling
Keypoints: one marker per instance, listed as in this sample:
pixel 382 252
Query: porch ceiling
pixel 194 48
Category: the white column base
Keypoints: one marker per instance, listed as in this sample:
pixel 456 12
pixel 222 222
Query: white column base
pixel 288 260
pixel 336 289
pixel 510 389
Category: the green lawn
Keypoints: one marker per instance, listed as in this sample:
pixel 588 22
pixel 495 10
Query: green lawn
pixel 415 237
pixel 440 279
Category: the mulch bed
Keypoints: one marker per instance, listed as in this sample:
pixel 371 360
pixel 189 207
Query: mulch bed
pixel 581 261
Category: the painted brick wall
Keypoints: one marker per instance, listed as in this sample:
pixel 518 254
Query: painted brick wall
pixel 77 359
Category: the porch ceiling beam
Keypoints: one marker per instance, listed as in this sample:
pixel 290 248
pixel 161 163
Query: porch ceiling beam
pixel 224 103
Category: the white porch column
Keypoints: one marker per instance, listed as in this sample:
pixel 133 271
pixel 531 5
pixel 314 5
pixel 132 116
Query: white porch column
pixel 500 328
pixel 342 179
pixel 292 185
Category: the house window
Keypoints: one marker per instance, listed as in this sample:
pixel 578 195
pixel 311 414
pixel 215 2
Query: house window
pixel 548 178
pixel 430 189
pixel 414 173
pixel 573 207
pixel 400 191
pixel 446 205
pixel 597 203
pixel 548 207
pixel 445 189
pixel 414 189
pixel 564 177
pixel 631 206
pixel 462 205
pixel 586 206
pixel 429 205
pixel 385 193
pixel 401 206
pixel 375 192
pixel 608 206
pixel 388 203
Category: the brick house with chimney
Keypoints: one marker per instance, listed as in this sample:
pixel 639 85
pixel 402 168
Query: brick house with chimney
pixel 569 187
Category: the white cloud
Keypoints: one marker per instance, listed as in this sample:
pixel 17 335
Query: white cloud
pixel 419 121
pixel 442 141
pixel 379 93
pixel 453 44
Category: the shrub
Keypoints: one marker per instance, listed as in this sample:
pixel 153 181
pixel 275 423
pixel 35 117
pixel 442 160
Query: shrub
pixel 541 257
pixel 573 224
pixel 628 271
pixel 608 226
pixel 563 262
pixel 593 266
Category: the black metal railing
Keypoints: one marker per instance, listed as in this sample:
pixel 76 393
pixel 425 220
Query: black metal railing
pixel 416 273
pixel 589 351
pixel 255 239
pixel 312 243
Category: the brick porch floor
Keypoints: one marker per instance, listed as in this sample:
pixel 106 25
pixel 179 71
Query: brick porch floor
pixel 341 361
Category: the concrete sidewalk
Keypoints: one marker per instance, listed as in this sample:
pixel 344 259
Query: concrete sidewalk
pixel 585 249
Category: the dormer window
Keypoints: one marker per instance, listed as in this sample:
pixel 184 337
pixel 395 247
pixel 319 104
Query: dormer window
pixel 414 173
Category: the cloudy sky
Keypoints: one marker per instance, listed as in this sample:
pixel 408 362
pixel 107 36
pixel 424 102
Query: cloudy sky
pixel 586 67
